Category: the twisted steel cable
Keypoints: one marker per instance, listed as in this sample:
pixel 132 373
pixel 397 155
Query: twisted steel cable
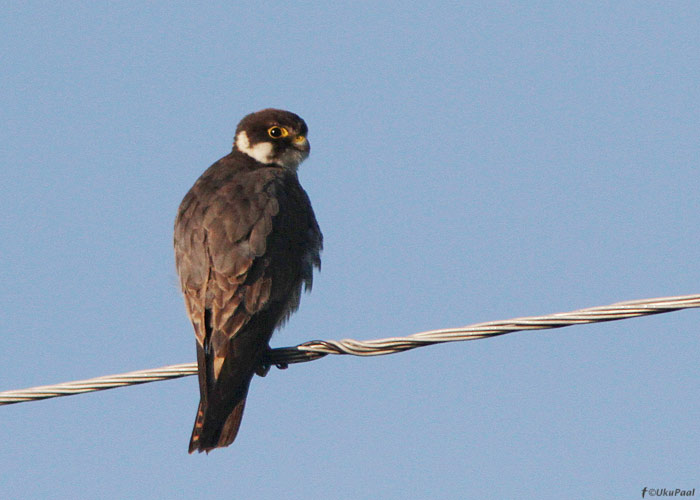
pixel 315 349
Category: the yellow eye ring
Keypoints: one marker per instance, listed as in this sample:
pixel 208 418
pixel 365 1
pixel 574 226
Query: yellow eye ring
pixel 276 132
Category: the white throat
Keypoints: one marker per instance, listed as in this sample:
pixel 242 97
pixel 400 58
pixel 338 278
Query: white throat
pixel 262 151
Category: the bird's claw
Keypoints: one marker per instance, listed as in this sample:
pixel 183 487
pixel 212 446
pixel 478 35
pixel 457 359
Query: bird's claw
pixel 262 370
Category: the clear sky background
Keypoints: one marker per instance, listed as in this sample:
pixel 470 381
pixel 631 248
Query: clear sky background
pixel 470 162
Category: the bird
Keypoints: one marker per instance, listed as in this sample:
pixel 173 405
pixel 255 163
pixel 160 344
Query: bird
pixel 246 242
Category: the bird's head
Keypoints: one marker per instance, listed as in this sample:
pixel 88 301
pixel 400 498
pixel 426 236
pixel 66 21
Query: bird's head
pixel 273 136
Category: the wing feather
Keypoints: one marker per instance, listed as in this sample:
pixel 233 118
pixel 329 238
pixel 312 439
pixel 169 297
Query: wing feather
pixel 220 235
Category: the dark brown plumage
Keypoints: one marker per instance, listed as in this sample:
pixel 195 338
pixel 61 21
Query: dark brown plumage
pixel 246 240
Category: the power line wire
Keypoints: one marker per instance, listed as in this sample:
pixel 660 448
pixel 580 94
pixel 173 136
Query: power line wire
pixel 315 349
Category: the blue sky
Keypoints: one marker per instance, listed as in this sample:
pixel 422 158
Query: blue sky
pixel 470 162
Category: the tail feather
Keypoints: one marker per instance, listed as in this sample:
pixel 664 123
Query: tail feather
pixel 198 424
pixel 223 391
pixel 210 433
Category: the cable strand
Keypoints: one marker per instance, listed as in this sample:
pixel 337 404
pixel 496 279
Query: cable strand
pixel 315 349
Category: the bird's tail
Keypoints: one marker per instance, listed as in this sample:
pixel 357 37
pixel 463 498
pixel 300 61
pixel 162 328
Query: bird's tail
pixel 214 432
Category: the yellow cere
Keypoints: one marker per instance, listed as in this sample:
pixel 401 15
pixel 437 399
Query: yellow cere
pixel 300 139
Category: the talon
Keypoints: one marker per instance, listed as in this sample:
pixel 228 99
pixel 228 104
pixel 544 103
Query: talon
pixel 262 370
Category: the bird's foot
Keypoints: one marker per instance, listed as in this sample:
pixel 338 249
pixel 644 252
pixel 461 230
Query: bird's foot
pixel 262 370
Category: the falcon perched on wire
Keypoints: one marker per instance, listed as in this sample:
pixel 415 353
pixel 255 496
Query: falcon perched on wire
pixel 246 242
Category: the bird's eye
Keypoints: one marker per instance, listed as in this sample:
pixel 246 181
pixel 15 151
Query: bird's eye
pixel 277 132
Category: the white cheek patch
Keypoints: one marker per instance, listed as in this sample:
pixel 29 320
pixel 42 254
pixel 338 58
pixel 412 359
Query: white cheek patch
pixel 261 151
